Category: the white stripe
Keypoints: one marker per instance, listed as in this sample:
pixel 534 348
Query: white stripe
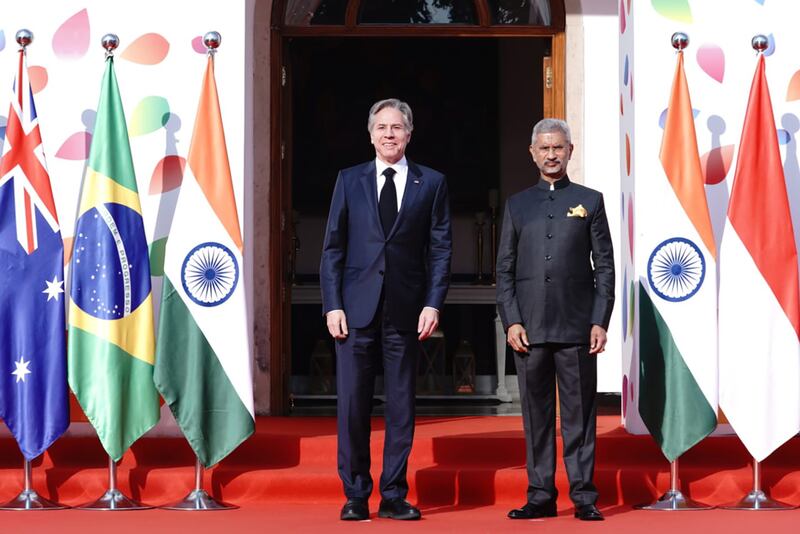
pixel 19 214
pixel 759 359
pixel 225 326
pixel 692 322
pixel 123 256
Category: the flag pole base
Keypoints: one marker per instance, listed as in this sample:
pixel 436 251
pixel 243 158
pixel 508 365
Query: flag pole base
pixel 757 500
pixel 674 501
pixel 199 500
pixel 114 499
pixel 30 500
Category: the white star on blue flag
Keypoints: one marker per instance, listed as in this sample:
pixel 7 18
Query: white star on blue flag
pixel 22 369
pixel 54 288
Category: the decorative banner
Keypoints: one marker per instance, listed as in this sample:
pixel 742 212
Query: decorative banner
pixel 719 64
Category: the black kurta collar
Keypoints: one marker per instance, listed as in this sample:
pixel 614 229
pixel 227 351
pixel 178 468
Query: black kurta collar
pixel 560 184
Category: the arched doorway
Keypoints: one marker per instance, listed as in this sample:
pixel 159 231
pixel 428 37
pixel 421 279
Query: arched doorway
pixel 476 73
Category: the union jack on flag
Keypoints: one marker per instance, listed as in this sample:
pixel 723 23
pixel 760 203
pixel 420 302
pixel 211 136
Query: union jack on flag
pixel 23 161
pixel 33 356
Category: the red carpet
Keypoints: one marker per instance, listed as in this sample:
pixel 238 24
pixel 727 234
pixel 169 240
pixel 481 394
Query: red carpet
pixel 465 472
pixel 300 519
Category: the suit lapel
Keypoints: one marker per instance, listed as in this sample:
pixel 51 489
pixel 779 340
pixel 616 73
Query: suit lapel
pixel 370 185
pixel 413 185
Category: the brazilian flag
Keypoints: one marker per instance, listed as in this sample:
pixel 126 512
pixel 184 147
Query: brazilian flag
pixel 111 349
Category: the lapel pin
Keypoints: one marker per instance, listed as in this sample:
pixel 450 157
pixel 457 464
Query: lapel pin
pixel 416 181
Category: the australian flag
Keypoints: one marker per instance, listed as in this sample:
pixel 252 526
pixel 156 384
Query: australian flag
pixel 33 365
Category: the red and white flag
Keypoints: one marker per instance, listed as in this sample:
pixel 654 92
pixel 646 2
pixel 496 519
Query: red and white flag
pixel 759 300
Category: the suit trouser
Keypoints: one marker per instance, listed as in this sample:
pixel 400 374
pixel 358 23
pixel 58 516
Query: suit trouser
pixel 576 370
pixel 356 364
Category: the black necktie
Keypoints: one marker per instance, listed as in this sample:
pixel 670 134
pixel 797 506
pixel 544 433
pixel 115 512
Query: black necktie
pixel 387 202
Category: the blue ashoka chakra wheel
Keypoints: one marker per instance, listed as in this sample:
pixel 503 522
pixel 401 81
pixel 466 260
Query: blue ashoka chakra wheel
pixel 210 274
pixel 676 269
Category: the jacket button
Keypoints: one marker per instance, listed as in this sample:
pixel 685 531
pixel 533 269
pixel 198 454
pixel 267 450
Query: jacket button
pixel 549 215
pixel 380 273
pixel 547 279
pixel 548 257
pixel 549 236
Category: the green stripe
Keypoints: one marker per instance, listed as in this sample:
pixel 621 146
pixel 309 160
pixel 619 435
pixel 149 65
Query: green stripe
pixel 194 384
pixel 114 389
pixel 110 153
pixel 671 403
pixel 157 251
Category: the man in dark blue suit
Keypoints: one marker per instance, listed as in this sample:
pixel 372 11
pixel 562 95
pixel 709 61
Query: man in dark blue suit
pixel 384 274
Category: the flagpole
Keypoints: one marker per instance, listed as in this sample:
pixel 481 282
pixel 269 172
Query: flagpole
pixel 113 498
pixel 198 499
pixel 28 499
pixel 674 500
pixel 757 498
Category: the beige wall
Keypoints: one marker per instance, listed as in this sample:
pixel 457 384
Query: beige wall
pixel 574 84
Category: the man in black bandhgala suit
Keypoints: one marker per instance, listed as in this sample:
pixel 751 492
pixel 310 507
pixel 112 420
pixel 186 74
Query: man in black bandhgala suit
pixel 555 293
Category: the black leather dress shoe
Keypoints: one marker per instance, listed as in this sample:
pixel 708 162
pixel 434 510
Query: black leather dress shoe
pixel 534 511
pixel 354 510
pixel 398 509
pixel 588 512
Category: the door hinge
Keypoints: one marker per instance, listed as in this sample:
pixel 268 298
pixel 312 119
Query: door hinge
pixel 283 76
pixel 283 150
pixel 548 77
pixel 283 221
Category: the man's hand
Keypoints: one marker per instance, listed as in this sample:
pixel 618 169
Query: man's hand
pixel 517 338
pixel 428 322
pixel 337 324
pixel 597 340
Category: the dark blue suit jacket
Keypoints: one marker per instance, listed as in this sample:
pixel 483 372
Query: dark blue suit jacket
pixel 412 263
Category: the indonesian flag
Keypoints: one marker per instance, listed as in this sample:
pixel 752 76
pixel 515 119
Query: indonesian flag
pixel 759 305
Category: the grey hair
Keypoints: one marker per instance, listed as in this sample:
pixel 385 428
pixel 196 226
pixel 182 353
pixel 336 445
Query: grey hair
pixel 399 105
pixel 551 126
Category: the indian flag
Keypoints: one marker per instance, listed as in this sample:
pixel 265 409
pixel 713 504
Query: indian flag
pixel 678 289
pixel 759 306
pixel 203 367
pixel 111 348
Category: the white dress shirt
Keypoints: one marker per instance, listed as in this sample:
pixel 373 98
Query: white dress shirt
pixel 400 177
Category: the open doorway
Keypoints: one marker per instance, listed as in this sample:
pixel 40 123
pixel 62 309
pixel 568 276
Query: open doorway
pixel 474 101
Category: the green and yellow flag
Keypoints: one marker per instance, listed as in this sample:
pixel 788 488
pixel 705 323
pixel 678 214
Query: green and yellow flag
pixel 111 342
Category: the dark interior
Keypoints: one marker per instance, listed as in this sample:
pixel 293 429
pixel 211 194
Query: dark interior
pixel 474 102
